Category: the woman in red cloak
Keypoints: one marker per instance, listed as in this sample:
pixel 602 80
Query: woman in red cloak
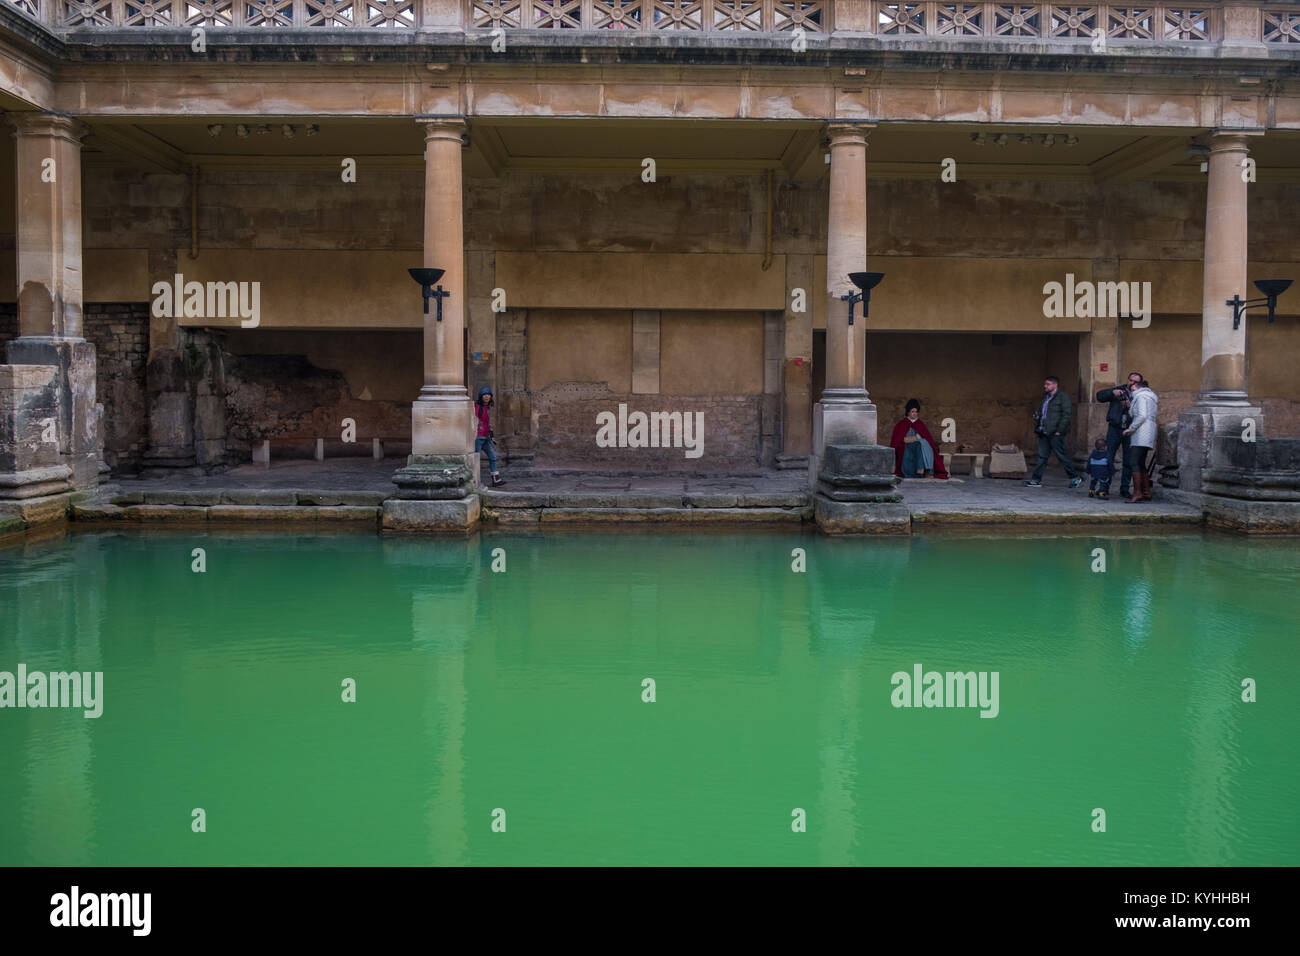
pixel 916 453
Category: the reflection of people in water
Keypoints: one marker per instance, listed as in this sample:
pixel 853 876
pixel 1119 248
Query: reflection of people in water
pixel 916 453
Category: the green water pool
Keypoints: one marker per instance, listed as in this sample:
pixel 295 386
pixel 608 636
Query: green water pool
pixel 515 699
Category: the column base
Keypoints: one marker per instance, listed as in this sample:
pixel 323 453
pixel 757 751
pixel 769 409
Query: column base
pixel 854 492
pixel 842 417
pixel 79 444
pixel 35 482
pixel 1201 425
pixel 436 478
pixel 446 516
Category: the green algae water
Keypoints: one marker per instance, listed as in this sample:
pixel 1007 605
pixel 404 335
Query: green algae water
pixel 518 696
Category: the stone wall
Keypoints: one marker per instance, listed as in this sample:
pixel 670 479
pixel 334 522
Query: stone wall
pixel 565 416
pixel 295 387
pixel 120 334
pixel 273 210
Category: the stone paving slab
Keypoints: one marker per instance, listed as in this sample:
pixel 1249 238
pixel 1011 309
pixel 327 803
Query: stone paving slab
pixel 310 491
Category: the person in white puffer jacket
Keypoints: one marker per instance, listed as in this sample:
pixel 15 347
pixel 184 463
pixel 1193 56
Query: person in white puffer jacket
pixel 1143 408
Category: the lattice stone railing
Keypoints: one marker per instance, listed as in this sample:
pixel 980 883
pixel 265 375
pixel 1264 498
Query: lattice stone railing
pixel 335 14
pixel 1278 22
pixel 1197 21
pixel 760 16
pixel 1150 21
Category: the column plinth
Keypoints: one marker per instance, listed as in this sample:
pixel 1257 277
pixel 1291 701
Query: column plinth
pixel 443 465
pixel 1223 401
pixel 49 283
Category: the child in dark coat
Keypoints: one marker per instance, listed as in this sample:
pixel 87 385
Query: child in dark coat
pixel 1099 468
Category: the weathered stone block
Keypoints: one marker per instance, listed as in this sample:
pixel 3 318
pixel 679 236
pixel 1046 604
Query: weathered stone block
pixel 351 499
pixel 38 511
pixel 431 515
pixel 178 513
pixel 79 444
pixel 260 498
pixel 263 513
pixel 858 517
pixel 200 498
pixel 348 514
pixel 434 478
pixel 512 516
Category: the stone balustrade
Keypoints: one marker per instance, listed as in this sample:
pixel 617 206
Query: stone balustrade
pixel 1275 22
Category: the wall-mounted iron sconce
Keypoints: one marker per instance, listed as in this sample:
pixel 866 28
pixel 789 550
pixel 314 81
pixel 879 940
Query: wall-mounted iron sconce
pixel 866 281
pixel 426 278
pixel 1271 288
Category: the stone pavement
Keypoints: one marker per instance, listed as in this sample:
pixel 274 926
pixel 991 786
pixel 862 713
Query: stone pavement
pixel 968 500
pixel 352 490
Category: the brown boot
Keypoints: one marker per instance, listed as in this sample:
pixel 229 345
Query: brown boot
pixel 1136 497
pixel 1146 487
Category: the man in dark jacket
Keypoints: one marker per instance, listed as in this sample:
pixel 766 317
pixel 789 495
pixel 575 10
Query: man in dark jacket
pixel 1116 422
pixel 1051 422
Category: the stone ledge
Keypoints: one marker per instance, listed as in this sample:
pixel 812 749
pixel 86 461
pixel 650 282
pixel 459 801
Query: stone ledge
pixel 194 498
pixel 515 499
pixel 178 513
pixel 511 516
pixel 1081 519
pixel 259 498
pixel 672 515
pixel 860 517
pixel 1243 515
pixel 290 514
pixel 434 515
pixel 351 499
pixel 37 511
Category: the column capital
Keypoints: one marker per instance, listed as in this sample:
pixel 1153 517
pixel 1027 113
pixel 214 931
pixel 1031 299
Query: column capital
pixel 1223 139
pixel 443 127
pixel 847 133
pixel 36 123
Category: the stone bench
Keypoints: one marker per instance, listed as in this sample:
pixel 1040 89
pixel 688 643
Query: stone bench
pixel 977 461
pixel 262 451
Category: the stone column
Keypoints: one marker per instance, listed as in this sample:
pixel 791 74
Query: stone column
pixel 1222 402
pixel 49 277
pixel 844 414
pixel 1097 348
pixel 1223 348
pixel 853 477
pixel 442 466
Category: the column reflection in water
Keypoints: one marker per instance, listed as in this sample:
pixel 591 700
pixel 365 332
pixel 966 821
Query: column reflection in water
pixel 1214 696
pixel 851 581
pixel 445 580
pixel 54 612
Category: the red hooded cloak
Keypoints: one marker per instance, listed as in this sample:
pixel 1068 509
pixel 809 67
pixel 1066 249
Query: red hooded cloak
pixel 896 442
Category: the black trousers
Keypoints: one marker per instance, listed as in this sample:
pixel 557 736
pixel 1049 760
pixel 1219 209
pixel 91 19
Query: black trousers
pixel 1055 445
pixel 1116 439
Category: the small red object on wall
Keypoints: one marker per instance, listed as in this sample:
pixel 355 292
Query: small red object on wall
pixel 1105 366
pixel 798 361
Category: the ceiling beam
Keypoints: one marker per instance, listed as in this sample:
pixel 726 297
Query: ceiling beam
pixel 802 158
pixel 1139 159
pixel 143 147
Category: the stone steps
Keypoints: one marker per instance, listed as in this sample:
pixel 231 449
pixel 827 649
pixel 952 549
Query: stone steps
pixel 298 515
pixel 515 516
pixel 502 500
pixel 250 498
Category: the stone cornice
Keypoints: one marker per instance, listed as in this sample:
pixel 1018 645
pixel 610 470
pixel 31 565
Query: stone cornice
pixel 283 45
